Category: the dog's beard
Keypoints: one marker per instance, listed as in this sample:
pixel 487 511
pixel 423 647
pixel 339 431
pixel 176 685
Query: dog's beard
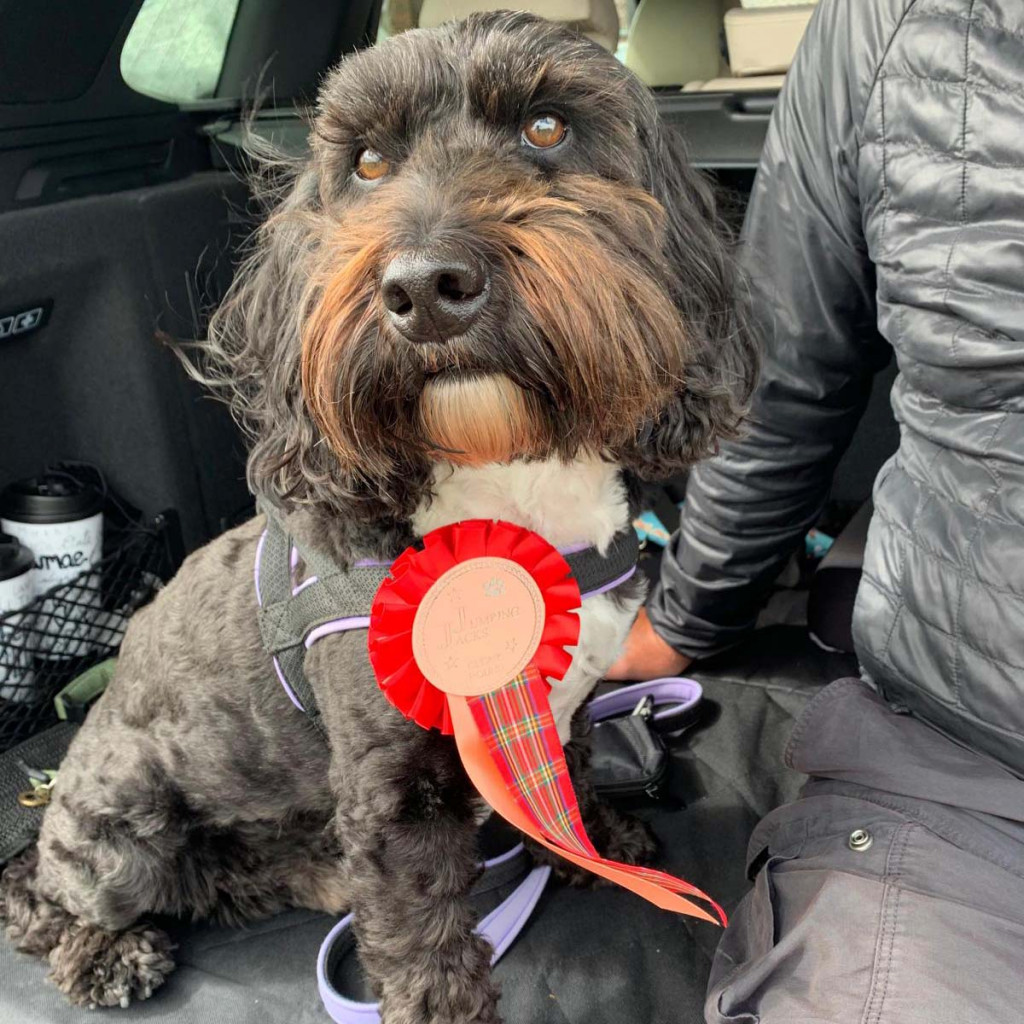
pixel 583 347
pixel 480 418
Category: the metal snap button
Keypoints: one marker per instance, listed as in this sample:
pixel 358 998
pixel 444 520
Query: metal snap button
pixel 860 840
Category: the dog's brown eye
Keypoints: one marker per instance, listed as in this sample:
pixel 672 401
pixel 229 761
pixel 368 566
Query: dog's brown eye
pixel 370 165
pixel 544 131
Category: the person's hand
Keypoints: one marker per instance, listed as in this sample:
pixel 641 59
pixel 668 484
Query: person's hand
pixel 646 655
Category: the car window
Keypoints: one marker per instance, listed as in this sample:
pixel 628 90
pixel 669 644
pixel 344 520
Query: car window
pixel 175 48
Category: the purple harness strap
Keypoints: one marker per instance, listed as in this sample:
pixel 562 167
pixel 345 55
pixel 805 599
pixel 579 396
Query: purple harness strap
pixel 351 622
pixel 503 924
pixel 259 601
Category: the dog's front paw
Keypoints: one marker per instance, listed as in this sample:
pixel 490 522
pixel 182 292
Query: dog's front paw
pixel 93 967
pixel 628 840
pixel 616 836
pixel 460 991
pixel 402 1011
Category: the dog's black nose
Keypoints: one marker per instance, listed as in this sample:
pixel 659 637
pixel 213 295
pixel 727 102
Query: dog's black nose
pixel 431 297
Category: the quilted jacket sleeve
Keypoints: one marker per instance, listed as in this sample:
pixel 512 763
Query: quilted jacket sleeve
pixel 813 294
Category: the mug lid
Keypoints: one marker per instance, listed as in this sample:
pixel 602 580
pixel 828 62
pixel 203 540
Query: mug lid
pixel 49 498
pixel 15 558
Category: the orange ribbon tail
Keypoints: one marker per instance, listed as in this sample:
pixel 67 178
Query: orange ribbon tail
pixel 657 887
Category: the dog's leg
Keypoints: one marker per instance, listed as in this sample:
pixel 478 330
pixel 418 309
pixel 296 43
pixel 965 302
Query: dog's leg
pixel 616 835
pixel 115 848
pixel 257 869
pixel 91 965
pixel 108 853
pixel 409 835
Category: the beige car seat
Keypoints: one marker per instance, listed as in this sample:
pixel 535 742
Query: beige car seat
pixel 763 40
pixel 596 19
pixel 678 43
pixel 671 42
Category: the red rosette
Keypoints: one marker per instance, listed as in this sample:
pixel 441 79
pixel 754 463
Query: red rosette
pixel 418 568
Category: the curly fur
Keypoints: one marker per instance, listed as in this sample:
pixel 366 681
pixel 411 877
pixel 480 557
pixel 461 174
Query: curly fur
pixel 194 788
pixel 91 966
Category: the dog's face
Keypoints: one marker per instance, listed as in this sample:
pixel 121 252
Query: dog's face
pixel 493 253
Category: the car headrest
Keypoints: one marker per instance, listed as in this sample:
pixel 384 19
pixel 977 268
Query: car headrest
pixel 672 42
pixel 596 19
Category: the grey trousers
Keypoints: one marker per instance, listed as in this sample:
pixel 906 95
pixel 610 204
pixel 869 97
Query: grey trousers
pixel 890 892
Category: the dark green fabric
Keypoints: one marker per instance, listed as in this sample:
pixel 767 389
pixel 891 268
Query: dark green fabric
pixel 84 689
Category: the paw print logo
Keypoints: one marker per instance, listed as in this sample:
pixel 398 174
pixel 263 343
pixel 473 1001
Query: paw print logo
pixel 494 587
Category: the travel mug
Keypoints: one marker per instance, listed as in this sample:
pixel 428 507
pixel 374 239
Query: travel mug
pixel 60 520
pixel 16 593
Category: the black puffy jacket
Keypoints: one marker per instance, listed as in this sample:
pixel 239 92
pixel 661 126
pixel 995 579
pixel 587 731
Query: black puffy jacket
pixel 888 211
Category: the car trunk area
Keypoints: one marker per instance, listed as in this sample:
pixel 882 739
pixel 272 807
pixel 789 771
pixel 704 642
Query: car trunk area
pixel 123 215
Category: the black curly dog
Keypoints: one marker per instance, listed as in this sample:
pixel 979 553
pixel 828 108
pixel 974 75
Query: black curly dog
pixel 495 288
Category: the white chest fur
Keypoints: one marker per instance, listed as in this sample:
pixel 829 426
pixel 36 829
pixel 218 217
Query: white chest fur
pixel 582 502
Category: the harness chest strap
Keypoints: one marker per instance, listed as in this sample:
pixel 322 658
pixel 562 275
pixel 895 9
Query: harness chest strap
pixel 294 615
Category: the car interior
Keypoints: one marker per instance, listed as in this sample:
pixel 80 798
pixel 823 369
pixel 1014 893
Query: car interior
pixel 126 203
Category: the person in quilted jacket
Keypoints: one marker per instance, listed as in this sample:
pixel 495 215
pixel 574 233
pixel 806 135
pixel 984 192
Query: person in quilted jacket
pixel 887 214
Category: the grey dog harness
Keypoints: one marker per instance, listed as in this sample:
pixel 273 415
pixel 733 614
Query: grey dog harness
pixel 294 614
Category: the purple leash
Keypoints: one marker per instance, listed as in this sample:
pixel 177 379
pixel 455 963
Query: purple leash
pixel 500 928
pixel 502 925
pixel 675 696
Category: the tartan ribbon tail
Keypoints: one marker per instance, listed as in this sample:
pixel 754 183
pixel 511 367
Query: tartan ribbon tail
pixel 509 745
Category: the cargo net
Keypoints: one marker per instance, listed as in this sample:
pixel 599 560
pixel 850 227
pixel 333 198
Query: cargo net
pixel 80 623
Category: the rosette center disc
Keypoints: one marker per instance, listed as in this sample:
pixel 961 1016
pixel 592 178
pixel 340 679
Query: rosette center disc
pixel 478 626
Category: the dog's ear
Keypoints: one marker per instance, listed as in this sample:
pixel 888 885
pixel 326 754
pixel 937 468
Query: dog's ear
pixel 707 286
pixel 252 356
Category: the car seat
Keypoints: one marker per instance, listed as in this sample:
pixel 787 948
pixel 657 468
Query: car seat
pixel 596 19
pixel 715 45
